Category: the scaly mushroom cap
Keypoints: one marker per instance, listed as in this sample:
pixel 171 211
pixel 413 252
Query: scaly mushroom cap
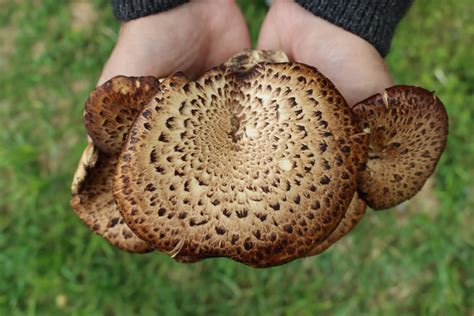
pixel 113 106
pixel 407 129
pixel 109 113
pixel 257 164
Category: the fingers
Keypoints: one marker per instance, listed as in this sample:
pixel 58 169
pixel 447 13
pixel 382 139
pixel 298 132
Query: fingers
pixel 190 38
pixel 281 27
pixel 158 45
pixel 232 36
pixel 268 38
pixel 350 62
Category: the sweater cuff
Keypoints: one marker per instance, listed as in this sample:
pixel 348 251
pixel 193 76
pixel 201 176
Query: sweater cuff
pixel 126 10
pixel 373 20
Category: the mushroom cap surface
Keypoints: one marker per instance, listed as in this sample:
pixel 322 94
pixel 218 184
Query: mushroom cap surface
pixel 407 129
pixel 256 164
pixel 113 106
pixel 108 116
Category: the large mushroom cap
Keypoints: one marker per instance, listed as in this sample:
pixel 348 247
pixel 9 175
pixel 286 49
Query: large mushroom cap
pixel 257 164
pixel 407 129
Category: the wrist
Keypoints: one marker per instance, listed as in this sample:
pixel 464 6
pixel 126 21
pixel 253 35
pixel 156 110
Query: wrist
pixel 330 43
pixel 374 21
pixel 353 64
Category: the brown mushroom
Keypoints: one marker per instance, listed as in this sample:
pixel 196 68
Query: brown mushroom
pixel 407 129
pixel 108 115
pixel 256 163
pixel 113 106
pixel 259 160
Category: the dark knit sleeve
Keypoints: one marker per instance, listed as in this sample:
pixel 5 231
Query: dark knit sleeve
pixel 373 20
pixel 125 10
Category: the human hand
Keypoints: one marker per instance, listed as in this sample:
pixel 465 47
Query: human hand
pixel 350 62
pixel 190 38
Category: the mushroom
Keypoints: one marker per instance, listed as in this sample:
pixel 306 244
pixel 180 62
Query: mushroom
pixel 408 127
pixel 108 115
pixel 260 160
pixel 257 164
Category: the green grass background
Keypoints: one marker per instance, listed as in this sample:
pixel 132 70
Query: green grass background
pixel 413 260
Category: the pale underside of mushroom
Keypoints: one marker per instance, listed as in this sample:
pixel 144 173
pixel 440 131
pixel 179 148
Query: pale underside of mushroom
pixel 258 160
pixel 93 201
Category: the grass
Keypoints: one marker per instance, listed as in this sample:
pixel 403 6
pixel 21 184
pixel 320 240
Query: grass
pixel 414 260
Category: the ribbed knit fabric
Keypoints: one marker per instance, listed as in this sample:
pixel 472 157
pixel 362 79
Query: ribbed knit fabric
pixel 373 20
pixel 125 10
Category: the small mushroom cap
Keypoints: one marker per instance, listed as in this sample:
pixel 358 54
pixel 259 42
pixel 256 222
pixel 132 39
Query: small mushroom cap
pixel 352 217
pixel 93 201
pixel 256 168
pixel 108 116
pixel 112 107
pixel 407 129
